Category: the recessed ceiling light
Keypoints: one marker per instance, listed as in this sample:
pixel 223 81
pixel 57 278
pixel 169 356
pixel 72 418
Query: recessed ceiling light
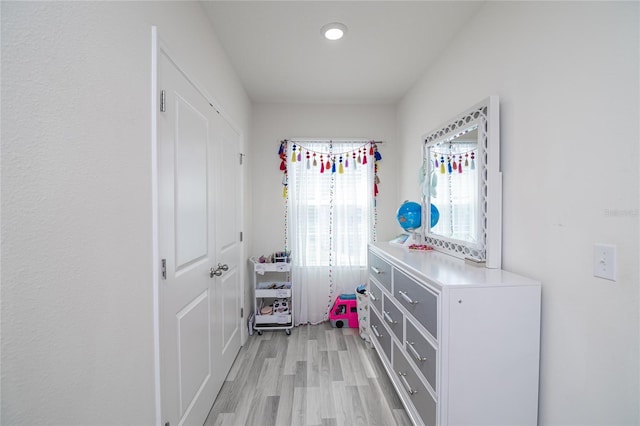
pixel 334 31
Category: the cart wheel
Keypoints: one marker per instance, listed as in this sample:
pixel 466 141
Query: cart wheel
pixel 288 332
pixel 259 332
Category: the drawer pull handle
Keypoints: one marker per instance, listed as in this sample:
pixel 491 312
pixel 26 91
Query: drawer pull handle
pixel 375 331
pixel 388 318
pixel 376 270
pixel 407 386
pixel 415 353
pixel 407 298
pixel 373 296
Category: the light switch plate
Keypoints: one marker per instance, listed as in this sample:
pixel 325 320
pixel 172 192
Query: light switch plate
pixel 604 261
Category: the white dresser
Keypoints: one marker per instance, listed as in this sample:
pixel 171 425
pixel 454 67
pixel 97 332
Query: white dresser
pixel 461 343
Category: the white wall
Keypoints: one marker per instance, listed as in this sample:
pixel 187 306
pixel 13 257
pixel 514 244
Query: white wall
pixel 274 122
pixel 567 75
pixel 76 238
pixel 77 288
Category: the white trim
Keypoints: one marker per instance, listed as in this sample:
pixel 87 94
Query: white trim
pixel 244 332
pixel 155 261
pixel 494 186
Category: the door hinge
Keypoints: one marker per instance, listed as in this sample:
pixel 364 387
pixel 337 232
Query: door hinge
pixel 241 155
pixel 241 312
pixel 241 236
pixel 163 99
pixel 164 269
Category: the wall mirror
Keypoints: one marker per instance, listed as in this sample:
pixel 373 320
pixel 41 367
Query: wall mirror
pixel 462 186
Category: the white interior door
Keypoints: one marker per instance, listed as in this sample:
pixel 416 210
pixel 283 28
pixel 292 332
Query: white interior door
pixel 228 244
pixel 195 335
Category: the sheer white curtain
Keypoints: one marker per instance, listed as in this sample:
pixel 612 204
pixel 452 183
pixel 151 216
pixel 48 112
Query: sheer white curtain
pixel 330 223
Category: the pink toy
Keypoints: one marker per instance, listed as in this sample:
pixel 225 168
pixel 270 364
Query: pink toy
pixel 344 312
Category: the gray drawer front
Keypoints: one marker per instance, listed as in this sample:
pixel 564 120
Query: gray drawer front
pixel 383 337
pixel 417 346
pixel 425 306
pixel 392 317
pixel 421 398
pixel 380 270
pixel 375 295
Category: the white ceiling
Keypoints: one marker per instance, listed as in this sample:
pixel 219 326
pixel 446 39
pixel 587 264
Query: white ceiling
pixel 280 56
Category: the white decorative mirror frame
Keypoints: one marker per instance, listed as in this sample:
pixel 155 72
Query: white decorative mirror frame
pixel 485 243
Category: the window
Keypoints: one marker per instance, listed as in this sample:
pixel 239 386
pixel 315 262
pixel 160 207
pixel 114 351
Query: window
pixel 330 189
pixel 454 194
pixel 330 212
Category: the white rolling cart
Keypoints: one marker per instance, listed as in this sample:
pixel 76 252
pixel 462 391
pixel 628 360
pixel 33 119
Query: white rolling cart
pixel 272 302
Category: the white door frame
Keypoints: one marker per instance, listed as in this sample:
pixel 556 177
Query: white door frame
pixel 156 47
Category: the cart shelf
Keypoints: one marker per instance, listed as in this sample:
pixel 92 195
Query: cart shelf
pixel 272 286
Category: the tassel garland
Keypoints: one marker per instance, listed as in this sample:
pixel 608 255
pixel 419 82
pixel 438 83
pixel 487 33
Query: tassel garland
pixel 333 162
pixel 453 163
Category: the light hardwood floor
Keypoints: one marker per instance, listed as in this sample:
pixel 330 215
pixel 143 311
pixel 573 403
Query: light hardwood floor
pixel 317 376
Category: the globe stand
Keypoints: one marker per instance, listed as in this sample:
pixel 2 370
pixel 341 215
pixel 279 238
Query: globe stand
pixel 416 236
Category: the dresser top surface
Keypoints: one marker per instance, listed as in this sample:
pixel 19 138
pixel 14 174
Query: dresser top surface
pixel 447 271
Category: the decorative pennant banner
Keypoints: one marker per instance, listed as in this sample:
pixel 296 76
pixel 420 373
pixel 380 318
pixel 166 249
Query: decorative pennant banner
pixel 448 162
pixel 328 161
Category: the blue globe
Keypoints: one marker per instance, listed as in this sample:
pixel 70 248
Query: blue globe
pixel 410 215
pixel 435 215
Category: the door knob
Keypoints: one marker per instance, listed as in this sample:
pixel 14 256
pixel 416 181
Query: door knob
pixel 216 272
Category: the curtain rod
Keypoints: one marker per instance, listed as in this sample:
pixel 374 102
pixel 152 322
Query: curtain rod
pixel 363 141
